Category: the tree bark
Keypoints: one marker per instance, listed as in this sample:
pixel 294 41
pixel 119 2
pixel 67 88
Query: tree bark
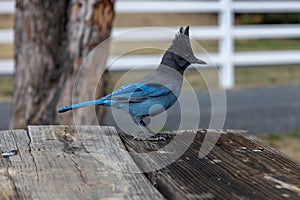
pixel 52 38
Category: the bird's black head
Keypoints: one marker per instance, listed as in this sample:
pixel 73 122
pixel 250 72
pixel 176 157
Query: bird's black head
pixel 180 54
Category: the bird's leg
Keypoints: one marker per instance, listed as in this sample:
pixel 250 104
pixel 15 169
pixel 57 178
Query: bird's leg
pixel 140 124
pixel 150 135
pixel 145 126
pixel 153 136
pixel 145 129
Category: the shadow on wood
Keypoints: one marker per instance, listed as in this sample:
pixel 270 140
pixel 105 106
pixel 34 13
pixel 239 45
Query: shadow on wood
pixel 239 167
pixel 92 162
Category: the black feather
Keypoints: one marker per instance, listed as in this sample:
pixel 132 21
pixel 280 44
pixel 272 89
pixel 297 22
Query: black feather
pixel 186 31
pixel 181 44
pixel 181 29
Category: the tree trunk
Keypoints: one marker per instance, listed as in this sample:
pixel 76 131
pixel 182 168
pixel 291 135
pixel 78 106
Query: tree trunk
pixel 52 38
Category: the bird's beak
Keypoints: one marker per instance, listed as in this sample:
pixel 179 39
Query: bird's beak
pixel 198 61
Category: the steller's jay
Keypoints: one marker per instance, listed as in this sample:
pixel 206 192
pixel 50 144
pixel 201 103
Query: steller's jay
pixel 161 87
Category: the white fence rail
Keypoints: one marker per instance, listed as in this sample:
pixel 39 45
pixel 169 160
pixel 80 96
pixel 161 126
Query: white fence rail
pixel 225 32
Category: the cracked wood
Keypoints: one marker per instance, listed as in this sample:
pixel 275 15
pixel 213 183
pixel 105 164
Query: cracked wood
pixel 62 162
pixel 91 162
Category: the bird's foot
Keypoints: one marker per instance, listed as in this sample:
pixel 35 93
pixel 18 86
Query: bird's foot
pixel 153 138
pixel 139 138
pixel 161 137
pixel 157 138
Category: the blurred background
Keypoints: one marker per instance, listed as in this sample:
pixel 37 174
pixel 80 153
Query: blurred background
pixel 255 44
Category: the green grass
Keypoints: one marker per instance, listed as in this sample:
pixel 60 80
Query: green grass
pixel 267 44
pixel 6 88
pixel 161 19
pixel 288 143
pixel 154 47
pixel 6 21
pixel 118 48
pixel 6 51
pixel 274 136
pixel 267 76
pixel 294 134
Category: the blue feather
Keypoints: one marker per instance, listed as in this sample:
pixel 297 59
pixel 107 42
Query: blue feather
pixel 138 92
pixel 83 104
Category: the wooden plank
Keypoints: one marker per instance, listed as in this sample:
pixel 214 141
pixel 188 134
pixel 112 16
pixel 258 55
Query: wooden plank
pixel 63 162
pixel 238 167
pixel 9 153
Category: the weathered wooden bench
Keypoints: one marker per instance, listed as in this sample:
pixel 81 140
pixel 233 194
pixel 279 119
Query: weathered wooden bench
pixel 92 162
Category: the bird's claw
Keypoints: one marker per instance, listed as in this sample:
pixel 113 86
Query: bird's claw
pixel 157 138
pixel 151 139
pixel 139 138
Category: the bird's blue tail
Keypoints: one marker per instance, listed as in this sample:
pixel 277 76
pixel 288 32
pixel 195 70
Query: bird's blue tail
pixel 82 104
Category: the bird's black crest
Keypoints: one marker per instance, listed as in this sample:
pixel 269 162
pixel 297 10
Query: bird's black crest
pixel 180 54
pixel 181 44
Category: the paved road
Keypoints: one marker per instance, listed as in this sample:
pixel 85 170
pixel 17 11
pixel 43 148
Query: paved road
pixel 259 110
pixel 5 109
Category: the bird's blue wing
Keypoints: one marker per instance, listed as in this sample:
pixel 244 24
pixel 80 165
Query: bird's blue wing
pixel 135 92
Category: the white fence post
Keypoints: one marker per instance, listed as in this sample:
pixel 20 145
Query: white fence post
pixel 226 44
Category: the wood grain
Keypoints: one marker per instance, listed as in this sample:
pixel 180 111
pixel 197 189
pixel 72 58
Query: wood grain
pixel 238 167
pixel 62 162
pixel 91 162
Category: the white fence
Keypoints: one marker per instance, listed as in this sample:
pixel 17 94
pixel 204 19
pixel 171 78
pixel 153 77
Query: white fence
pixel 225 32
